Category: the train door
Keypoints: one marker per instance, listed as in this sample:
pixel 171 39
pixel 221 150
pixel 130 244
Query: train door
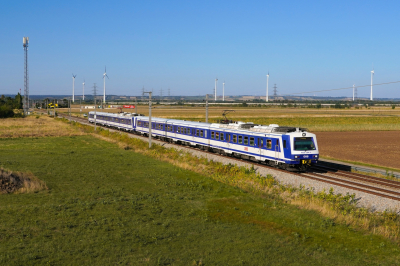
pixel 277 151
pixel 208 137
pixel 260 145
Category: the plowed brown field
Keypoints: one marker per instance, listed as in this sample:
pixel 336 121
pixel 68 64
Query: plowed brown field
pixel 371 147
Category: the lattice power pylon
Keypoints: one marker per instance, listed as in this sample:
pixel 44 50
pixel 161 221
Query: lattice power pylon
pixel 25 42
pixel 275 91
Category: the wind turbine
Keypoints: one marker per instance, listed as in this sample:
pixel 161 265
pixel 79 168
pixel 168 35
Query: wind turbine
pixel 223 91
pixel 73 87
pixel 215 91
pixel 104 78
pixel 83 90
pixel 372 78
pixel 266 97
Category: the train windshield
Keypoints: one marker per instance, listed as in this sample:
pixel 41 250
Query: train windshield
pixel 303 144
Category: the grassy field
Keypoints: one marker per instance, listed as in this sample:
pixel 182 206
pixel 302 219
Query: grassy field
pixel 107 205
pixel 375 118
pixel 35 126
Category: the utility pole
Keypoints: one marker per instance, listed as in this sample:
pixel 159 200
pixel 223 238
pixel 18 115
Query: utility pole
pixel 149 92
pixel 266 97
pixel 206 108
pixel 94 95
pixel 223 91
pixel 69 109
pixel 215 91
pixel 372 78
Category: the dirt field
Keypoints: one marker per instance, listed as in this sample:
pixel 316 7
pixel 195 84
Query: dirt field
pixel 371 147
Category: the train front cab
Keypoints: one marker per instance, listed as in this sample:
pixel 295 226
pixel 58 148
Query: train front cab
pixel 302 151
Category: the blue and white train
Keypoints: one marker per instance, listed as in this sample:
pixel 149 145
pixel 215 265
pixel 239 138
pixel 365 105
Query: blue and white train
pixel 285 147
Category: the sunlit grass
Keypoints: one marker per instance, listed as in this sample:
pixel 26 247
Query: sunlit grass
pixel 35 126
pixel 108 205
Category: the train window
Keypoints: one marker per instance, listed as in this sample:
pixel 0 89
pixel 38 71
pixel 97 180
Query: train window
pixel 217 135
pixel 197 132
pixel 269 144
pixel 303 144
pixel 260 142
pixel 240 139
pixel 187 131
pixel 234 138
pixel 212 134
pixel 277 142
pixel 246 140
pixel 221 137
pixel 251 141
pixel 228 138
pixel 284 144
pixel 201 133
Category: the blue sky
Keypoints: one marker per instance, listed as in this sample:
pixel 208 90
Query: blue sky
pixel 185 45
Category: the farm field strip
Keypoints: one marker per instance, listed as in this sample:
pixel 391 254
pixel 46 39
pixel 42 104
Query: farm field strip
pixel 358 186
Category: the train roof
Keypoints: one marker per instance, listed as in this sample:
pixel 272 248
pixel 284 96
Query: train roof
pixel 176 121
pixel 121 115
pixel 250 126
pixel 241 126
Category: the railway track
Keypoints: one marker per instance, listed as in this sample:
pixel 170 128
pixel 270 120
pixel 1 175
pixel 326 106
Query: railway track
pixel 372 185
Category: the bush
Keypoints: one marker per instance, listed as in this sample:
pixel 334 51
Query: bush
pixel 6 111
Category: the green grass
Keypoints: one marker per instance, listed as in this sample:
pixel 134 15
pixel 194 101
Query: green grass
pixel 106 205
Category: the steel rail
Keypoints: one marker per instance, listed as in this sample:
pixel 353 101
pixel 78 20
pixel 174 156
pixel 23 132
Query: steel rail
pixel 364 178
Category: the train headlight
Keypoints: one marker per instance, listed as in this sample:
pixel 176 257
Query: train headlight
pixel 296 156
pixel 315 156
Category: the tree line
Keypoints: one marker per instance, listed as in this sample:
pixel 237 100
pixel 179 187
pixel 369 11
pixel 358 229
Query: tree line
pixel 8 105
